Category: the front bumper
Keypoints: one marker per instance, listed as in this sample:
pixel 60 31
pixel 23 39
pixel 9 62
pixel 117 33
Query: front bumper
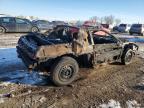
pixel 135 31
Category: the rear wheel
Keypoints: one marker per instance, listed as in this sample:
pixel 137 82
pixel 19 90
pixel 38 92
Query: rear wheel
pixel 131 33
pixel 64 71
pixel 2 30
pixel 34 29
pixel 127 57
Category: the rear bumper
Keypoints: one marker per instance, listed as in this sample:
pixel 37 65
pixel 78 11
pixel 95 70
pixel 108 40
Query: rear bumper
pixel 29 62
pixel 136 31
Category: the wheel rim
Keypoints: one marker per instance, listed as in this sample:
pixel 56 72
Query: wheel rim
pixel 66 73
pixel 34 29
pixel 128 57
pixel 1 30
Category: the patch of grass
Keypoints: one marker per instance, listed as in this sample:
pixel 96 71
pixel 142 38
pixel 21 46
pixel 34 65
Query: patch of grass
pixel 4 90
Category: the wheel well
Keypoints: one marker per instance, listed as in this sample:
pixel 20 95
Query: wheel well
pixel 35 27
pixel 69 55
pixel 82 60
pixel 3 27
pixel 128 46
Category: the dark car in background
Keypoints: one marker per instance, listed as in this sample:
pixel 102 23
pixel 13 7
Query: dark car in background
pixel 124 28
pixel 56 23
pixel 13 24
pixel 105 25
pixel 43 25
pixel 115 28
pixel 137 29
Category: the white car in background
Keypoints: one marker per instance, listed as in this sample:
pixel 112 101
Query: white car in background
pixel 124 28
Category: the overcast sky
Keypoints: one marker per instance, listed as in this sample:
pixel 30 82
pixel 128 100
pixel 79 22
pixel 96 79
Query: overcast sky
pixel 130 11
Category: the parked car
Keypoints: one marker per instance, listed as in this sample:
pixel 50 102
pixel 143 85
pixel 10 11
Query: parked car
pixel 124 28
pixel 137 29
pixel 13 24
pixel 105 25
pixel 43 25
pixel 115 28
pixel 56 23
pixel 66 48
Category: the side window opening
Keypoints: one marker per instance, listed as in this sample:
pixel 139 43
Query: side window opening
pixel 20 21
pixel 103 38
pixel 7 20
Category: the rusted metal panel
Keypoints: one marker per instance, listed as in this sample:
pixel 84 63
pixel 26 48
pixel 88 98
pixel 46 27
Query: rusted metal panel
pixel 54 50
pixel 107 52
pixel 81 44
pixel 98 47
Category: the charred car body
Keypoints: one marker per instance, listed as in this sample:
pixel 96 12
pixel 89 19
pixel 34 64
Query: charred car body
pixel 67 48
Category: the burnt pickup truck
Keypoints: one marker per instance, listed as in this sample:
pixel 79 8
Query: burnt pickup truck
pixel 65 48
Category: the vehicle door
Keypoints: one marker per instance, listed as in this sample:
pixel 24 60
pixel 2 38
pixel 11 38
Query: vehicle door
pixel 43 25
pixel 23 25
pixel 9 24
pixel 106 48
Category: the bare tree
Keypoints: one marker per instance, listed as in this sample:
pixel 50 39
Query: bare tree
pixel 117 21
pixel 102 20
pixel 32 17
pixel 79 23
pixel 20 16
pixel 109 19
pixel 105 20
pixel 94 19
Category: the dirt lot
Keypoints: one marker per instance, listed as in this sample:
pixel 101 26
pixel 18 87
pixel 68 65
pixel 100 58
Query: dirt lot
pixel 105 86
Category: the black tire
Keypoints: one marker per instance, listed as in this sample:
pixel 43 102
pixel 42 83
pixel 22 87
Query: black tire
pixel 131 33
pixel 64 71
pixel 127 56
pixel 34 29
pixel 2 30
pixel 142 34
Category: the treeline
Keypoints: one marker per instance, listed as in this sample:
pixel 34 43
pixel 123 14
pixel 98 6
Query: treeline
pixel 106 20
pixel 111 20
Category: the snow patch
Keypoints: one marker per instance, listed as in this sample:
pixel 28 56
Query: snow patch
pixel 132 104
pixel 111 104
pixel 5 83
pixel 13 70
pixel 115 104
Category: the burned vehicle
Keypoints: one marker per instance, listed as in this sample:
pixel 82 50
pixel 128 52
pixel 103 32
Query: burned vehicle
pixel 67 48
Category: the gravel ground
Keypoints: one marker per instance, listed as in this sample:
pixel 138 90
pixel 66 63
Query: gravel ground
pixel 112 85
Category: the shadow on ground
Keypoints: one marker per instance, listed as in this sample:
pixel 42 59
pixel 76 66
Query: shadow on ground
pixel 13 70
pixel 139 87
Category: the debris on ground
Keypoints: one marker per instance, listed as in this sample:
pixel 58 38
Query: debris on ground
pixel 111 104
pixel 108 85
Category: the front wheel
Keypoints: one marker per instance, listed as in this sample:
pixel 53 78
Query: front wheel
pixel 64 71
pixel 34 29
pixel 2 30
pixel 127 57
